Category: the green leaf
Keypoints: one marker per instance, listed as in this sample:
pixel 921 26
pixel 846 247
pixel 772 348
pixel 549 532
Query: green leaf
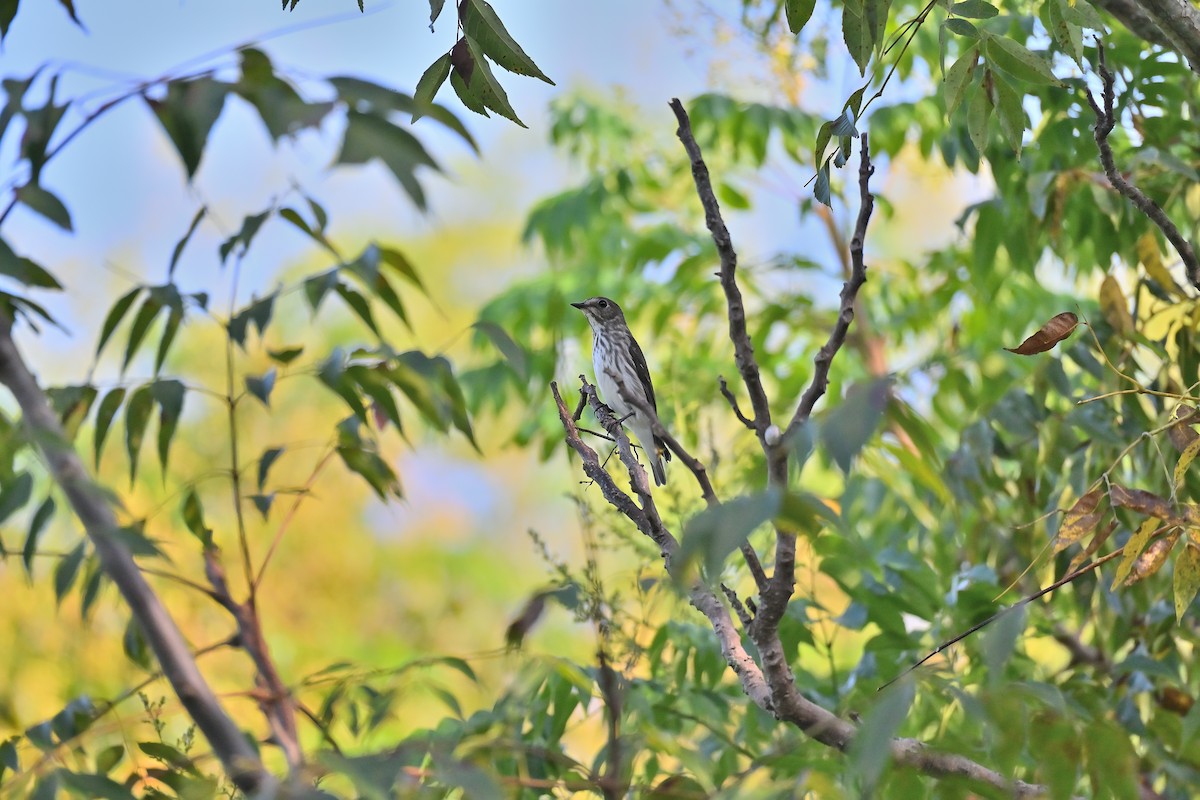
pixel 134 644
pixel 429 84
pixel 871 749
pixel 485 86
pixel 40 518
pixel 975 9
pixel 400 263
pixel 844 125
pixel 710 536
pixel 24 270
pixel 466 94
pixel 1081 12
pixel 847 428
pixel 93 786
pixel 359 305
pixel 141 325
pixel 1187 576
pixel 513 353
pixel 109 757
pixel 1018 61
pixel 1068 35
pixel 370 136
pixel 959 77
pixel 8 12
pixel 821 187
pixel 137 417
pixel 978 114
pixel 857 33
pixel 264 464
pixel 316 287
pixel 262 503
pixel 67 570
pixel 435 10
pixel 115 315
pixel 261 386
pixel 1010 113
pixel 104 417
pixel 188 113
pixel 42 201
pixel 182 243
pixel 193 518
pixel 961 27
pixel 480 23
pixel 174 319
pixel 285 355
pixel 282 110
pixel 14 494
pixel 1000 641
pixel 245 235
pixel 169 395
pixel 168 755
pixel 376 386
pixel 798 13
pixel 332 373
pixel 366 269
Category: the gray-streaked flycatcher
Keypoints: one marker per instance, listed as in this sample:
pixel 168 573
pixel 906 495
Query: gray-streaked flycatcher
pixel 615 353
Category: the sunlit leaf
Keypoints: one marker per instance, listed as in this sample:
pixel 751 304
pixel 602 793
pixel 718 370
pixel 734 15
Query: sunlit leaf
pixel 1187 575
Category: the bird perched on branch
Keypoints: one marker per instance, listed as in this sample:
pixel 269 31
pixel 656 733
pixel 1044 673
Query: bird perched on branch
pixel 615 354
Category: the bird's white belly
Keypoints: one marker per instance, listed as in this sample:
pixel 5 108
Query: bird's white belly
pixel 610 393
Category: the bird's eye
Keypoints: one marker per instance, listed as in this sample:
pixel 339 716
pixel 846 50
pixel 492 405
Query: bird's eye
pixel 603 304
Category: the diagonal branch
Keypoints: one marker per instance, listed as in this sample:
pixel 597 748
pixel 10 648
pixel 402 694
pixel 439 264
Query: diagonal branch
pixel 93 509
pixel 743 350
pixel 1179 21
pixel 858 276
pixel 1105 122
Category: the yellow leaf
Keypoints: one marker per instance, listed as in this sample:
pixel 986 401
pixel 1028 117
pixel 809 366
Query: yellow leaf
pixel 1151 258
pixel 1185 460
pixel 1133 549
pixel 1114 306
pixel 1187 577
pixel 1079 520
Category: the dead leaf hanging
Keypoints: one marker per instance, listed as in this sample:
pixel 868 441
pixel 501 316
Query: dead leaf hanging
pixel 1058 328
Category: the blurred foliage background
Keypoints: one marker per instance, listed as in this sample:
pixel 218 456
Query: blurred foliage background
pixel 249 217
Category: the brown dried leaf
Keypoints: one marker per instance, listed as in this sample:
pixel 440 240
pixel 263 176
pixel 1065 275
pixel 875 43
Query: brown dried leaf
pixel 1150 561
pixel 1058 328
pixel 1097 541
pixel 1152 505
pixel 1183 434
pixel 1114 306
pixel 1079 521
pixel 1149 528
pixel 1175 700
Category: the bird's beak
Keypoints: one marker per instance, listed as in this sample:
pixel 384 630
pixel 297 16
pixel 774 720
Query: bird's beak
pixel 579 305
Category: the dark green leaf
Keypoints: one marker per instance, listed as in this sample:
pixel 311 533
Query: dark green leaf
pixel 798 13
pixel 710 536
pixel 264 464
pixel 1068 35
pixel 975 9
pixel 483 84
pixel 23 270
pixel 848 427
pixel 137 417
pixel 134 644
pixel 141 324
pixel 958 78
pixel 871 749
pixel 513 353
pixel 93 786
pixel 169 395
pixel 359 305
pixel 262 502
pixel 167 755
pixel 115 315
pixel 14 494
pixel 261 386
pixel 979 112
pixel 376 386
pixel 67 570
pixel 435 10
pixel 193 518
pixel 367 463
pixel 8 757
pixel 1010 113
pixel 174 319
pixel 821 187
pixel 40 518
pixel 8 12
pixel 286 355
pixel 104 417
pixel 370 136
pixel 109 757
pixel 43 202
pixel 332 373
pixel 858 33
pixel 182 243
pixel 400 263
pixel 961 27
pixel 1000 641
pixel 244 236
pixel 427 88
pixel 316 287
pixel 188 113
pixel 480 23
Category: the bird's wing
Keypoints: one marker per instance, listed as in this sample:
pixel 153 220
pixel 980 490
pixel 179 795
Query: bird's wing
pixel 643 372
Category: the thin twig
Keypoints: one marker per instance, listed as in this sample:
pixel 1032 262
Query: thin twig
pixel 1023 602
pixel 1105 122
pixel 733 403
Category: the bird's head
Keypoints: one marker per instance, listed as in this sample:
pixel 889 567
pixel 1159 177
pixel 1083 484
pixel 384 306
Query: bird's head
pixel 600 311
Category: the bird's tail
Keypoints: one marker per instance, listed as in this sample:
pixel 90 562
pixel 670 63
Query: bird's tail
pixel 660 454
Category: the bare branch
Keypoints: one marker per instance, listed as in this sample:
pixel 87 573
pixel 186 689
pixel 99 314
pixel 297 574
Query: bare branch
pixel 93 509
pixel 1131 14
pixel 743 350
pixel 858 276
pixel 1105 122
pixel 1179 20
pixel 733 403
